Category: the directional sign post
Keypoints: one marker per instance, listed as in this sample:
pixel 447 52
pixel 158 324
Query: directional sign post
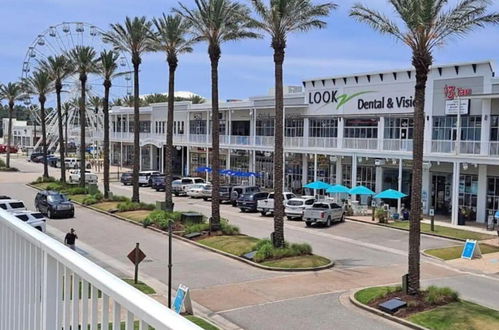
pixel 136 256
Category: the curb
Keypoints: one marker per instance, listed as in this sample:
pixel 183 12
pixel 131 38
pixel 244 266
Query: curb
pixel 249 262
pixel 383 314
pixel 401 229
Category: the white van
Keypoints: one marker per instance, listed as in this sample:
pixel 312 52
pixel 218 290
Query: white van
pixel 144 177
pixel 71 163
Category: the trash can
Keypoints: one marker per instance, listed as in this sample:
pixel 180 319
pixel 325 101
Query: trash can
pixel 191 217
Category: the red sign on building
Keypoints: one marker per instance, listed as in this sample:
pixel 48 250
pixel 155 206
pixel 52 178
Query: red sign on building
pixel 451 92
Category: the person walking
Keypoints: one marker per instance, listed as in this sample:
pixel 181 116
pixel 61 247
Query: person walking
pixel 70 239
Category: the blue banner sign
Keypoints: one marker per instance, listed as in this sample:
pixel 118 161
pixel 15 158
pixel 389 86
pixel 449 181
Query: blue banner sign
pixel 469 249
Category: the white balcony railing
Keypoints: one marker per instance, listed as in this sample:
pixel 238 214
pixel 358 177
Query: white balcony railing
pixel 265 141
pixel 360 143
pixel 469 147
pixel 465 147
pixel 240 140
pixel 443 146
pixel 322 142
pixel 39 278
pixel 494 148
pixel 397 145
pixel 199 138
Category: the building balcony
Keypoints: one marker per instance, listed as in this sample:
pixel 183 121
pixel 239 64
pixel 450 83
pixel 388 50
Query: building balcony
pixel 465 147
pixel 397 145
pixel 360 143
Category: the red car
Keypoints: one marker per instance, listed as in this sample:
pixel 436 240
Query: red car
pixel 3 149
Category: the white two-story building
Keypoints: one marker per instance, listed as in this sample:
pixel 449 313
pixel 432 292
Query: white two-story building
pixel 352 129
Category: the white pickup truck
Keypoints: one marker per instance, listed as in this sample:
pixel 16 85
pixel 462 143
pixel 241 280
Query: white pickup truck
pixel 74 177
pixel 265 206
pixel 180 187
pixel 323 212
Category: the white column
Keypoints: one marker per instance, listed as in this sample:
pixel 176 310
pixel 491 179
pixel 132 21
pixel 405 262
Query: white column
pixel 253 126
pixel 306 129
pixel 207 162
pixel 151 157
pixel 162 170
pixel 253 165
pixel 140 158
pixel 455 192
pixel 187 162
pixel 481 212
pixel 341 126
pixel 401 172
pixel 315 167
pixel 187 131
pixel 354 170
pixel 426 193
pixel 381 132
pixel 49 299
pixel 304 169
pixel 121 154
pixel 485 132
pixel 339 170
pixel 379 179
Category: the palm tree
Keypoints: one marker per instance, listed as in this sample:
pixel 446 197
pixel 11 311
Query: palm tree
pixel 59 68
pixel 12 92
pixel 216 22
pixel 426 25
pixel 84 61
pixel 108 66
pixel 134 37
pixel 279 19
pixel 41 84
pixel 171 37
pixel 66 108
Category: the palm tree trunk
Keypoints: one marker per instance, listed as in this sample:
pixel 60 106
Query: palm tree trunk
pixel 422 69
pixel 105 109
pixel 66 130
pixel 9 134
pixel 215 141
pixel 83 118
pixel 62 149
pixel 278 150
pixel 44 140
pixel 136 134
pixel 172 65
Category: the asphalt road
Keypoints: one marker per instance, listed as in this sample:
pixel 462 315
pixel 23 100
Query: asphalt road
pixel 253 298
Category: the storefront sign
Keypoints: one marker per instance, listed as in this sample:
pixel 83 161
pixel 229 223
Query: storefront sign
pixel 452 92
pixel 452 106
pixel 471 250
pixel 182 299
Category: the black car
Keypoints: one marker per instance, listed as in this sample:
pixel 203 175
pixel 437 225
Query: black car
pixel 126 178
pixel 158 181
pixel 35 155
pixel 248 202
pixel 4 197
pixel 54 204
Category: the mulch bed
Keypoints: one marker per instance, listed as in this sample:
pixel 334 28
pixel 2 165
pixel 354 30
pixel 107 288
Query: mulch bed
pixel 415 304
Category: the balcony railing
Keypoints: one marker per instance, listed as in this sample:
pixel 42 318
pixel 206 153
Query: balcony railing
pixel 40 279
pixel 494 148
pixel 360 143
pixel 265 141
pixel 465 147
pixel 397 145
pixel 322 142
pixel 443 146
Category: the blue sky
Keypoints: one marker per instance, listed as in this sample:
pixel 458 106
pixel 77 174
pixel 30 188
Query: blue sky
pixel 246 67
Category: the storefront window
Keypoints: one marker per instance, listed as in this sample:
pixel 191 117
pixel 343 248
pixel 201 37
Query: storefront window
pixel 294 127
pixel 346 177
pixel 323 127
pixel 294 172
pixel 197 126
pixel 264 166
pixel 363 128
pixel 399 128
pixel 265 127
pixel 494 128
pixel 492 194
pixel 445 128
pixel 468 189
pixel 326 169
pixel 221 129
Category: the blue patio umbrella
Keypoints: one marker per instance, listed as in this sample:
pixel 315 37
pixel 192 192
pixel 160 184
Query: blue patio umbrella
pixel 317 185
pixel 224 171
pixel 338 189
pixel 390 194
pixel 203 169
pixel 361 190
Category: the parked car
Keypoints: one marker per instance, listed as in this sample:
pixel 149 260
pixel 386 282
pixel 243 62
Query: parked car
pixel 241 190
pixel 180 187
pixel 224 193
pixel 249 202
pixel 35 155
pixel 4 148
pixel 144 177
pixel 323 212
pixel 54 204
pixel 53 160
pixel 296 206
pixel 126 178
pixel 158 182
pixel 38 159
pixel 34 219
pixel 4 197
pixel 90 178
pixel 196 190
pixel 267 205
pixel 12 205
pixel 70 163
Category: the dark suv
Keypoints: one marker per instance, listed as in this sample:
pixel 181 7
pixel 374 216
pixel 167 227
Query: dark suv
pixel 126 178
pixel 54 204
pixel 238 191
pixel 248 202
pixel 158 181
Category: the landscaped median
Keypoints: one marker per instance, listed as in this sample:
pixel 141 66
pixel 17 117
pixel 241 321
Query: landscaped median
pixel 433 308
pixel 454 252
pixel 227 241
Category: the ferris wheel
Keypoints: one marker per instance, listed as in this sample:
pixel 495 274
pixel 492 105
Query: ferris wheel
pixel 58 40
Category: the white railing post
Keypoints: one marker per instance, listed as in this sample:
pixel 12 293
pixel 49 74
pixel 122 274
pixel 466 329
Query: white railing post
pixel 49 299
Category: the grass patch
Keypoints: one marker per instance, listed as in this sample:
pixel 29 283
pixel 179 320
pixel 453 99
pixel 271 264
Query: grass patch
pixel 133 206
pixel 454 252
pixel 141 286
pixel 106 206
pixel 443 231
pixel 78 198
pixel 298 262
pixel 462 315
pixel 137 216
pixel 201 322
pixel 367 295
pixel 233 244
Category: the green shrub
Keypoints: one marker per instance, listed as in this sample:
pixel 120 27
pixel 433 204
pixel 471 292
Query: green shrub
pixel 116 198
pixel 301 249
pixel 196 228
pixel 133 206
pixel 438 296
pixel 92 199
pixel 265 250
pixel 57 186
pixel 228 229
pixel 41 179
pixel 75 191
pixel 146 222
pixel 2 163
